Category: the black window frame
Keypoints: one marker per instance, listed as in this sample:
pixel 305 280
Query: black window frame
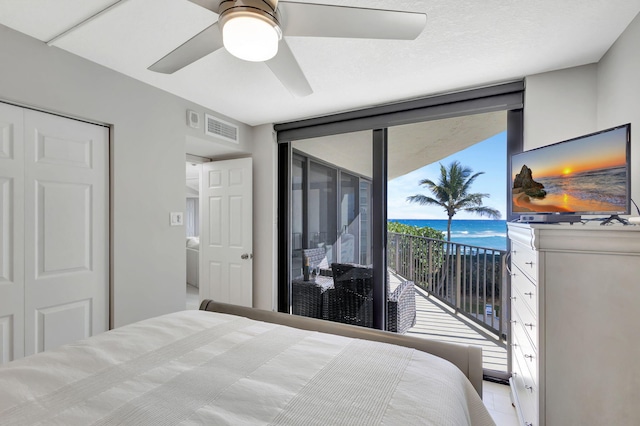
pixel 502 97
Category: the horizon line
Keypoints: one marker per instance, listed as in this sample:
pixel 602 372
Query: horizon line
pixel 397 218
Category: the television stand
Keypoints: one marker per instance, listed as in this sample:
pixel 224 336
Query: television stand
pixel 615 217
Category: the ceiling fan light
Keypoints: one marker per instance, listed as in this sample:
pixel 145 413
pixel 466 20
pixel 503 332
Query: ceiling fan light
pixel 251 38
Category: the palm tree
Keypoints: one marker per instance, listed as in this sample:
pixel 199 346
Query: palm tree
pixel 452 193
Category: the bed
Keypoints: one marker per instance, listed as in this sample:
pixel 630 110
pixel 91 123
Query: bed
pixel 231 365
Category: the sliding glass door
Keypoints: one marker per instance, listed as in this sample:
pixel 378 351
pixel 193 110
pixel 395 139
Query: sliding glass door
pixel 334 190
pixel 331 275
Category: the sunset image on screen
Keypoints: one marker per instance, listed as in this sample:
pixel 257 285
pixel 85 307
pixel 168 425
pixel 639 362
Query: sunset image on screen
pixel 582 175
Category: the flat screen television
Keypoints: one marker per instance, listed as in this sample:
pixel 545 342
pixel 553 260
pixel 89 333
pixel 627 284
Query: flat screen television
pixel 587 175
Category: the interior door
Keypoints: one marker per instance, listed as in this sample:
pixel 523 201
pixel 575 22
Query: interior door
pixel 66 230
pixel 11 233
pixel 226 237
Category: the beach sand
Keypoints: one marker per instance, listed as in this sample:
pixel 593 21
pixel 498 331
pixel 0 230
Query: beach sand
pixel 522 203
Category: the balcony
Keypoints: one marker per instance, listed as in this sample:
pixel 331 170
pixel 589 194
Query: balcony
pixel 461 292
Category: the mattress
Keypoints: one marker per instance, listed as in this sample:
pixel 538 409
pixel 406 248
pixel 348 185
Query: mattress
pixel 197 367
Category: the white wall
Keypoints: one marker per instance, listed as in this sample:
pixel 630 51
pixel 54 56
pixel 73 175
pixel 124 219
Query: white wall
pixel 619 93
pixel 560 105
pixel 567 103
pixel 147 163
pixel 265 194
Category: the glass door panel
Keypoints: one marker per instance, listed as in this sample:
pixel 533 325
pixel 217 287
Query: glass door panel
pixel 298 184
pixel 365 222
pixel 332 275
pixel 321 207
pixel 349 218
pixel 466 272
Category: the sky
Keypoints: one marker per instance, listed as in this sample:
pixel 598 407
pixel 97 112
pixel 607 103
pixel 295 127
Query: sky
pixel 599 151
pixel 489 156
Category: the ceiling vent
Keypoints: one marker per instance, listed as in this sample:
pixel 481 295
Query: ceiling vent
pixel 220 129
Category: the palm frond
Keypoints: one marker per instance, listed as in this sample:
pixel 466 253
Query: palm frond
pixel 484 211
pixel 452 192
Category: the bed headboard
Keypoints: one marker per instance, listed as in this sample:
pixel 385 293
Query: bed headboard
pixel 467 358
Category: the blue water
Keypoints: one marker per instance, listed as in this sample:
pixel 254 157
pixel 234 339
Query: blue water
pixel 480 233
pixel 604 185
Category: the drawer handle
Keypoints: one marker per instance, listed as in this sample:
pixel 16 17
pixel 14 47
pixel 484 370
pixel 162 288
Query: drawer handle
pixel 529 388
pixel 529 294
pixel 529 356
pixel 513 298
pixel 529 263
pixel 514 345
pixel 528 424
pixel 529 325
pixel 513 322
pixel 513 274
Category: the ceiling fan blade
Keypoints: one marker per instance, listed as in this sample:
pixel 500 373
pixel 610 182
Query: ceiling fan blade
pixel 212 5
pixel 286 68
pixel 200 45
pixel 317 20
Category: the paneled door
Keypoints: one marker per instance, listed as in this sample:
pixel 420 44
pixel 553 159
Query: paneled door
pixel 226 236
pixel 59 232
pixel 12 233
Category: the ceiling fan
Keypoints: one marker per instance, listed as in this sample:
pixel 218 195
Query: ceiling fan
pixel 254 30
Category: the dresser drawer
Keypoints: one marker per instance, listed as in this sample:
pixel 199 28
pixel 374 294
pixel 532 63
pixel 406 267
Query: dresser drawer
pixel 526 399
pixel 524 323
pixel 524 350
pixel 524 291
pixel 525 259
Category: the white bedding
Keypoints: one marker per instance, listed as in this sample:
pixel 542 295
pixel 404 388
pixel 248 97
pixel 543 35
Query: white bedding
pixel 197 367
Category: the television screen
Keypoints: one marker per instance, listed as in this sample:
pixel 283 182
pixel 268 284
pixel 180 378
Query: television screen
pixel 586 175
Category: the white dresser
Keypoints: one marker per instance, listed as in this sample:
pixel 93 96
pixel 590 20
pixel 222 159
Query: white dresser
pixel 575 331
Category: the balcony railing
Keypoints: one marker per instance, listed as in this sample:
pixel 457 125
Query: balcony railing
pixel 472 280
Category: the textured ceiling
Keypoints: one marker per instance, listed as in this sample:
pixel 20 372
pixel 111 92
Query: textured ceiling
pixel 466 43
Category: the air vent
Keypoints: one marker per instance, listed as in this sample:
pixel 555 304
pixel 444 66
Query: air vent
pixel 221 129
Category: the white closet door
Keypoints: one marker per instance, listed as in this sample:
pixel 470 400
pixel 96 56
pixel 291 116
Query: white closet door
pixel 11 233
pixel 66 230
pixel 226 237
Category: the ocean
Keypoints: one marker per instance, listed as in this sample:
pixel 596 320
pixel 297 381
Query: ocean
pixel 604 186
pixel 480 233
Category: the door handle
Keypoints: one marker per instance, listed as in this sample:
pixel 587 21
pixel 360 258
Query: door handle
pixel 246 256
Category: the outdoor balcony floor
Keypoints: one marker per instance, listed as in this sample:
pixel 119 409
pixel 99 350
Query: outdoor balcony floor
pixel 437 321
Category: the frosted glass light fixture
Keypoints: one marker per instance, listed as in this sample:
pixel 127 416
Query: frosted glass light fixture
pixel 250 37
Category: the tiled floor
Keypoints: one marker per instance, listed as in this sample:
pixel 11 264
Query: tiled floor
pixel 497 399
pixel 193 300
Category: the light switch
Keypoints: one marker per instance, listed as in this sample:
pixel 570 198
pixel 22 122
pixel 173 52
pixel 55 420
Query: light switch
pixel 177 219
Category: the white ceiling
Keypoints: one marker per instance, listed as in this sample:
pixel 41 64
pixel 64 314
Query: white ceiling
pixel 466 43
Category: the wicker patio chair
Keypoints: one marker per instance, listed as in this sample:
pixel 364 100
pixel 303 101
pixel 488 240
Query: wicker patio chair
pixel 351 299
pixel 401 308
pixel 317 259
pixel 307 296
